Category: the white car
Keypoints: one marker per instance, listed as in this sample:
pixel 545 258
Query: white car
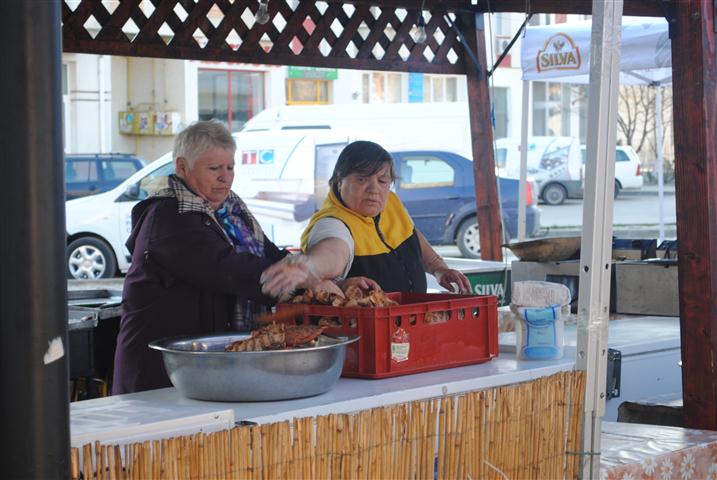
pixel 98 226
pixel 627 168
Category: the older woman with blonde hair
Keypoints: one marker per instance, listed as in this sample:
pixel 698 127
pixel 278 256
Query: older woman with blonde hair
pixel 197 253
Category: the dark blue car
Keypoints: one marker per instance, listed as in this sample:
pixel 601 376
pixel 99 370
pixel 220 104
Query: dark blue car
pixel 438 190
pixel 88 174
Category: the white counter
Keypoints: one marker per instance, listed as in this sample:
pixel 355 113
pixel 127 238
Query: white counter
pixel 632 335
pixel 122 416
pixel 651 354
pixel 650 347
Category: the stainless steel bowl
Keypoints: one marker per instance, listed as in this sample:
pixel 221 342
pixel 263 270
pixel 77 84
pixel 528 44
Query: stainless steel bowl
pixel 200 368
pixel 549 249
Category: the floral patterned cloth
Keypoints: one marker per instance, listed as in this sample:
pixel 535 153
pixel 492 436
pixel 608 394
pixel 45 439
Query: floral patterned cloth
pixel 693 463
pixel 637 452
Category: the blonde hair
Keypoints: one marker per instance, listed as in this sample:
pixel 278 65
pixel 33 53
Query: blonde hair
pixel 200 137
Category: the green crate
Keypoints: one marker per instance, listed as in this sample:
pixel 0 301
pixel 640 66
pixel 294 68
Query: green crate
pixel 486 278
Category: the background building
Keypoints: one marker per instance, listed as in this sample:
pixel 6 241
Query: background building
pixel 135 105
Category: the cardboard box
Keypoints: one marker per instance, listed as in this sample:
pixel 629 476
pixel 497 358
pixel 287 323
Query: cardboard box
pixel 647 288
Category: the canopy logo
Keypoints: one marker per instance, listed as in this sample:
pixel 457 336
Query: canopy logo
pixel 558 53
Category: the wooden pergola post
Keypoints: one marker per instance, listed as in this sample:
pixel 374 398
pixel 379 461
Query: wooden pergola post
pixel 487 202
pixel 34 411
pixel 695 129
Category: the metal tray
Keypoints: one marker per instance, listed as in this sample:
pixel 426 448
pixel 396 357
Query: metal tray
pixel 549 249
pixel 200 368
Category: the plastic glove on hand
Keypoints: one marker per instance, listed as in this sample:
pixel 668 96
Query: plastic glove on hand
pixel 288 274
pixel 329 287
pixel 447 278
pixel 364 283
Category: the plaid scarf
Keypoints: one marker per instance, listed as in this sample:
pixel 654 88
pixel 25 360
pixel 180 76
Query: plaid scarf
pixel 237 222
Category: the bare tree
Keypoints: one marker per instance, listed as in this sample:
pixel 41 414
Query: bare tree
pixel 636 115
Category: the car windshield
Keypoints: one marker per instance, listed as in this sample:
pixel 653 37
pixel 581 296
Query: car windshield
pixel 147 183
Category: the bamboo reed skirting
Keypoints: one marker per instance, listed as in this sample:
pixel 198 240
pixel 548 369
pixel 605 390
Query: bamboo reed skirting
pixel 528 430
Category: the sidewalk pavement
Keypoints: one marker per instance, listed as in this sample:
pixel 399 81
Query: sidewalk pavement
pixel 624 231
pixel 650 190
pixel 621 231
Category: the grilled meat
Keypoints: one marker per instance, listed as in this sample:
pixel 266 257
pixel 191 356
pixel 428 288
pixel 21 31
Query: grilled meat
pixel 276 336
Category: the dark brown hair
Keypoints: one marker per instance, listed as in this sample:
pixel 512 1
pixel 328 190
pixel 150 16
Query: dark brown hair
pixel 361 157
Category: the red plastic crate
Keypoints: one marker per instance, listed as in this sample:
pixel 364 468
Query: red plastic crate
pixel 470 334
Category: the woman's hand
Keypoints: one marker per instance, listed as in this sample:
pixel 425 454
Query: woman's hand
pixel 447 278
pixel 288 274
pixel 328 286
pixel 364 283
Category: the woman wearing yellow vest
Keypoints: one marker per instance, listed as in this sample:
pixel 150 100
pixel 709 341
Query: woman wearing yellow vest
pixel 363 234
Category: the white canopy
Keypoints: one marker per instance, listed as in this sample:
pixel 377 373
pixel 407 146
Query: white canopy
pixel 561 52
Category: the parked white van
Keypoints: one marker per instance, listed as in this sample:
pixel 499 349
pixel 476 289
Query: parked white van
pixel 404 126
pixel 628 175
pixel 274 163
pixel 554 163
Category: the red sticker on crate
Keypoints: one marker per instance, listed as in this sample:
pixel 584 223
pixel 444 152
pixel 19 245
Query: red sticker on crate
pixel 400 345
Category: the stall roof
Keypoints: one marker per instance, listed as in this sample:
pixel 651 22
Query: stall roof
pixel 338 34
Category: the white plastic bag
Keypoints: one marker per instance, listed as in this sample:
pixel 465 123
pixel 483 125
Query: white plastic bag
pixel 539 309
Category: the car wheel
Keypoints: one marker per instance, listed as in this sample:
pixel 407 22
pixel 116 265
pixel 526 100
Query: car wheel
pixel 617 189
pixel 89 258
pixel 554 194
pixel 468 239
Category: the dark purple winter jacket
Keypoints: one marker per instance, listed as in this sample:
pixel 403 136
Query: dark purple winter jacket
pixel 184 279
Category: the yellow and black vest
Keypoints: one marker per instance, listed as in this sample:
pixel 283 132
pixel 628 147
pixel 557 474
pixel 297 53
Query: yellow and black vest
pixel 386 247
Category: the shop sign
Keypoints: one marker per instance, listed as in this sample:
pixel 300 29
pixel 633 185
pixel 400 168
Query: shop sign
pixel 313 73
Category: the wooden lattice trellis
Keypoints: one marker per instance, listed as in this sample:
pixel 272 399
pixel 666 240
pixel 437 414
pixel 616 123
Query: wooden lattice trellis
pixel 321 34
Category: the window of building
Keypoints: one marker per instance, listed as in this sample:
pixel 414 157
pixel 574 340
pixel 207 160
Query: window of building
pixel 502 24
pixel 540 19
pixel 300 91
pixel 440 88
pixel 382 87
pixel 582 93
pixel 393 87
pixel 501 155
pixel 64 79
pixel 500 111
pixel 365 88
pixel 231 96
pixel 551 109
pixel 539 106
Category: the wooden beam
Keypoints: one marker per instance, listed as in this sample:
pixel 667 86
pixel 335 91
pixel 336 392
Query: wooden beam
pixel 336 41
pixel 695 122
pixel 648 8
pixel 645 8
pixel 487 205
